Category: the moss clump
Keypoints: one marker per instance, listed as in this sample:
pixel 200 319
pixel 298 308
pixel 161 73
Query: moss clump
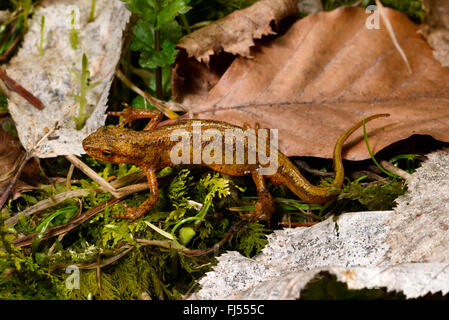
pixel 373 196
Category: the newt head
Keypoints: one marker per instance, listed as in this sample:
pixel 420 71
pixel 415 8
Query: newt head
pixel 110 145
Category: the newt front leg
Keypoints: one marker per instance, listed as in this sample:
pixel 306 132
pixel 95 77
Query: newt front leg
pixel 135 213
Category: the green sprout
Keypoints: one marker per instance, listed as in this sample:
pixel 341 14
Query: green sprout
pixel 41 42
pixel 27 7
pixel 85 87
pixel 73 32
pixel 365 136
pixel 92 11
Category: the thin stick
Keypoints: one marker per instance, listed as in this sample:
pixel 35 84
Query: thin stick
pixel 48 203
pixel 92 174
pixel 57 230
pixel 392 34
pixel 55 200
pixel 298 224
pixel 162 106
pixel 398 171
pixel 8 51
pixel 99 271
pixel 15 86
pixel 69 177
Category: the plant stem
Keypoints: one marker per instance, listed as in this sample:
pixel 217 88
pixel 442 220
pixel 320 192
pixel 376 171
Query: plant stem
pixel 365 136
pixel 41 43
pixel 73 32
pixel 92 11
pixel 26 6
pixel 185 22
pixel 157 47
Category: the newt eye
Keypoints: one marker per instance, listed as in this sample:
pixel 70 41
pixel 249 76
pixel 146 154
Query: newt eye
pixel 106 153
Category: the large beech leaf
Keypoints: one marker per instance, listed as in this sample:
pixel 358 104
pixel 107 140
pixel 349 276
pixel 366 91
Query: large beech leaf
pixel 326 73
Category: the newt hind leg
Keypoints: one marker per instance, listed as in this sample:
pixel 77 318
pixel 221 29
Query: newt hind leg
pixel 265 205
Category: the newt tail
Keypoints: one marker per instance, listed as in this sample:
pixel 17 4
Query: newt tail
pixel 290 176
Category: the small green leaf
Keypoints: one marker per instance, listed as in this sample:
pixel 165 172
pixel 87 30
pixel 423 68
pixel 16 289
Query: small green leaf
pixel 169 12
pixel 152 59
pixel 143 36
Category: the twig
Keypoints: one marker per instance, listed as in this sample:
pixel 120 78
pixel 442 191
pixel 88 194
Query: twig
pixel 57 230
pixel 398 171
pixel 48 203
pixel 16 87
pixel 162 106
pixel 55 200
pixel 92 174
pixel 304 165
pixel 232 230
pixel 99 271
pixel 69 177
pixel 298 224
pixel 392 34
pixel 95 265
pixel 8 51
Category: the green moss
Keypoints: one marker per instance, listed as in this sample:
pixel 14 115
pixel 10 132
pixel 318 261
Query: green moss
pixel 3 101
pixel 374 196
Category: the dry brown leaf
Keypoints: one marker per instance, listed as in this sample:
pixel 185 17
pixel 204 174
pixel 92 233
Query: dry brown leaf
pixel 10 151
pixel 235 32
pixel 326 73
pixel 10 155
pixel 436 28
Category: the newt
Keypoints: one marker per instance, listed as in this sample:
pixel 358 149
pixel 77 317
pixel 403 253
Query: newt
pixel 152 149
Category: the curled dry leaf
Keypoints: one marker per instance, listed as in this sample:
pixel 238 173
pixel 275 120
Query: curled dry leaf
pixel 10 154
pixel 324 74
pixel 436 29
pixel 10 151
pixel 235 32
pixel 67 36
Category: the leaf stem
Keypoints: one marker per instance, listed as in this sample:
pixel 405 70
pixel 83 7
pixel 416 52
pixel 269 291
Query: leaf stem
pixel 157 47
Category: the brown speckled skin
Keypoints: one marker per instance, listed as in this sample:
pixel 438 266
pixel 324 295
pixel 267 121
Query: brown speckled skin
pixel 150 150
